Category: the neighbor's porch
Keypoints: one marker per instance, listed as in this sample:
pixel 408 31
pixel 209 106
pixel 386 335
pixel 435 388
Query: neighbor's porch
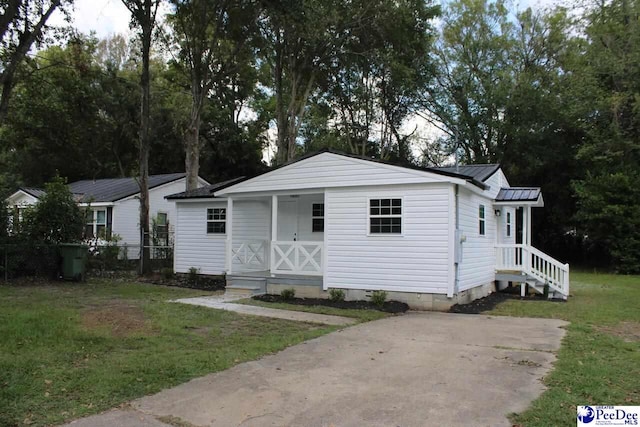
pixel 276 235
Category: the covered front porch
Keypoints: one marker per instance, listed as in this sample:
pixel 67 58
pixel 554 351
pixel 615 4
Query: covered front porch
pixel 516 258
pixel 276 235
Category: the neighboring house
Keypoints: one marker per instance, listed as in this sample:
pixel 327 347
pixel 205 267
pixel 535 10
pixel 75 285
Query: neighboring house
pixel 115 205
pixel 431 237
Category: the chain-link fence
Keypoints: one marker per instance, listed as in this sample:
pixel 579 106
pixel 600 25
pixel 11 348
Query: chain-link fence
pixel 103 259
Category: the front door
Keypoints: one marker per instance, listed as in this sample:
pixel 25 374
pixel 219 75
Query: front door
pixel 288 220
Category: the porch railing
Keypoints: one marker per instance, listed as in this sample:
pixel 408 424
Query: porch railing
pixel 251 255
pixel 296 257
pixel 535 263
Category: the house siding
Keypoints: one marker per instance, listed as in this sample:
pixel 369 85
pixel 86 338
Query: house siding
pixel 478 252
pixel 193 247
pixel 331 170
pixel 126 214
pixel 251 222
pixel 416 261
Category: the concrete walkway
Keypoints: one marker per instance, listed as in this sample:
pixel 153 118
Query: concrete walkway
pixel 420 369
pixel 225 303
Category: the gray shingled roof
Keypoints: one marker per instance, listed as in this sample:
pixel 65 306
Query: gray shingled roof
pixel 518 194
pixel 478 172
pixel 108 190
pixel 35 192
pixel 204 192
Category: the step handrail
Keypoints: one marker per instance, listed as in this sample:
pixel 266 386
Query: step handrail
pixel 535 263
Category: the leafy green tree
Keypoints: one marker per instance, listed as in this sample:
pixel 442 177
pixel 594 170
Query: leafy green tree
pixel 23 23
pixel 606 89
pixel 56 218
pixel 215 39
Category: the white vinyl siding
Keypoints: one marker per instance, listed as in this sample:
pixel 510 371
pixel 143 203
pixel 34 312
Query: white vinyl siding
pixel 193 247
pixel 126 214
pixel 416 261
pixel 251 223
pixel 332 170
pixel 478 251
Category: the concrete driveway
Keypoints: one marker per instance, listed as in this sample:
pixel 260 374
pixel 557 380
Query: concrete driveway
pixel 420 369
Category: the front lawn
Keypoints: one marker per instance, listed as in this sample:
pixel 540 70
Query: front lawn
pixel 599 361
pixel 70 350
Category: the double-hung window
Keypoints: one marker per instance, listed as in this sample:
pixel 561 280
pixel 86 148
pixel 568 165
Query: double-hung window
pixel 481 220
pixel 216 220
pixel 385 216
pixel 317 218
pixel 96 223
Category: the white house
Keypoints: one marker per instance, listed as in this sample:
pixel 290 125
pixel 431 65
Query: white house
pixel 114 204
pixel 431 237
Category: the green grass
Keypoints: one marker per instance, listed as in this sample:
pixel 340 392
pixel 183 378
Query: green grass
pixel 598 363
pixel 70 350
pixel 361 315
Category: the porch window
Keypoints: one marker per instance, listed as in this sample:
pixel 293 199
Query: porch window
pixel 385 216
pixel 96 223
pixel 508 224
pixel 481 220
pixel 317 218
pixel 216 220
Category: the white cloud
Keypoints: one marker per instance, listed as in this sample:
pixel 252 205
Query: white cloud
pixel 104 17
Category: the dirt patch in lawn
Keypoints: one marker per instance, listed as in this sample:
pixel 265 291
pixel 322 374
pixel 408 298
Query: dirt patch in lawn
pixel 120 319
pixel 388 306
pixel 627 331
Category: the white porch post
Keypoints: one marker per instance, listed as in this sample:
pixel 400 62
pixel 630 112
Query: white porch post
pixel 525 227
pixel 229 232
pixel 274 229
pixel 529 225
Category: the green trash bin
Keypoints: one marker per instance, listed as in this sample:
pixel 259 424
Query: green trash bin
pixel 74 260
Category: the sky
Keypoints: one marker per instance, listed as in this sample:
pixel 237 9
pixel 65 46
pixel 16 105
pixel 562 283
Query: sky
pixel 108 17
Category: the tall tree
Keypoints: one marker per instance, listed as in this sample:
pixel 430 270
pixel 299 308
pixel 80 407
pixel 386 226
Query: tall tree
pixel 301 37
pixel 214 39
pixel 22 24
pixel 606 91
pixel 143 16
pixel 474 74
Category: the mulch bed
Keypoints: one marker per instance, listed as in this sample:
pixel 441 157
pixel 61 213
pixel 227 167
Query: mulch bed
pixel 489 302
pixel 203 283
pixel 387 307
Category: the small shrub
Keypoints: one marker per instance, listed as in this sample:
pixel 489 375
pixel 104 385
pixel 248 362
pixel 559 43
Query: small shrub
pixel 167 272
pixel 288 294
pixel 336 295
pixel 192 276
pixel 378 298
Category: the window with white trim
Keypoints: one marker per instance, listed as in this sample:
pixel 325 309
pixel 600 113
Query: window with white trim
pixel 385 216
pixel 481 220
pixel 162 228
pixel 96 223
pixel 317 217
pixel 216 220
pixel 508 224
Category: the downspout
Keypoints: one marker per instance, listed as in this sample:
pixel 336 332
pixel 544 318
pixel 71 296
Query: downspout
pixel 458 244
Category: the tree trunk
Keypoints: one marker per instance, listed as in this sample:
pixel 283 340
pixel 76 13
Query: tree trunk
pixel 192 141
pixel 143 157
pixel 281 113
